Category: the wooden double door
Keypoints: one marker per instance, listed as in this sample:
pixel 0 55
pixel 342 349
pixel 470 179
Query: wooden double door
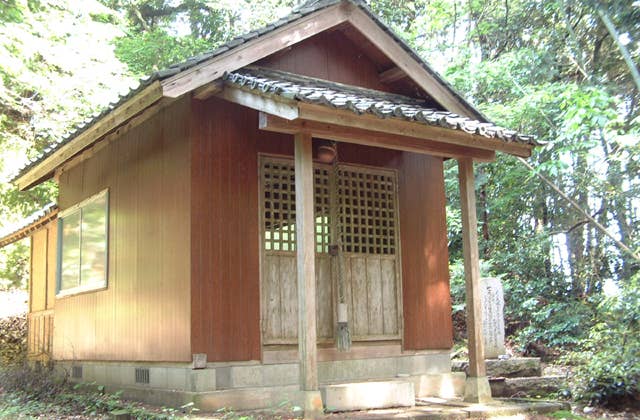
pixel 357 251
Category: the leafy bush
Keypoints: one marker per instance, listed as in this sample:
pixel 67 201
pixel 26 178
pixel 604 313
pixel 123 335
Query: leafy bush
pixel 13 340
pixel 608 361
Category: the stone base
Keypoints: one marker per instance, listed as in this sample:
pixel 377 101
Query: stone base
pixel 313 406
pixel 527 387
pixel 368 395
pixel 255 385
pixel 477 390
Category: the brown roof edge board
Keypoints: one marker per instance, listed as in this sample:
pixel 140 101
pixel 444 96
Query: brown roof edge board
pixel 31 224
pixel 309 19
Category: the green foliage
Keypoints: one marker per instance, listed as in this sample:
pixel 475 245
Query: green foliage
pixel 34 392
pixel 607 362
pixel 14 265
pixel 150 51
pixel 13 341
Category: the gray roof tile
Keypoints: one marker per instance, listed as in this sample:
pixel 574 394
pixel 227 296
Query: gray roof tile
pixel 363 101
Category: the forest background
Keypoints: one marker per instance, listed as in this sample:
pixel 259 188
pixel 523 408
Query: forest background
pixel 565 71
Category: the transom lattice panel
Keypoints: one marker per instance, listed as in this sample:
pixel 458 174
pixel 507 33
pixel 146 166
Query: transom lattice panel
pixel 367 211
pixel 279 201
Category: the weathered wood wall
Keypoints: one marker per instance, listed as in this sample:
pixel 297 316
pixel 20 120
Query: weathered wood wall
pixel 144 314
pixel 225 233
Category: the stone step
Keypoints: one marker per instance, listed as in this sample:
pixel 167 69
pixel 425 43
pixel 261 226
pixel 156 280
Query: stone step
pixel 514 367
pixel 368 395
pixel 526 387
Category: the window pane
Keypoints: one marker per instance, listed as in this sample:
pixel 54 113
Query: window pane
pixel 70 255
pixel 94 242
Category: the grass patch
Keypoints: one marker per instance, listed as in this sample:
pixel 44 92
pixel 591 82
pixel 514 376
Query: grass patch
pixel 566 415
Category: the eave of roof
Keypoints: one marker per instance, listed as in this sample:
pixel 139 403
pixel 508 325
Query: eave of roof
pixel 30 224
pixel 305 9
pixel 360 101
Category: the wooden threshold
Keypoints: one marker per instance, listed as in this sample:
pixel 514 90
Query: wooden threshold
pixel 366 137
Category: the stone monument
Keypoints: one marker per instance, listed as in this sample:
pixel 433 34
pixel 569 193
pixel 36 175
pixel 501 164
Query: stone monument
pixel 492 317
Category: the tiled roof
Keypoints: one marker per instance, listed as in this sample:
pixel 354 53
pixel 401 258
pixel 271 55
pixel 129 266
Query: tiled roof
pixel 304 9
pixel 23 228
pixel 362 101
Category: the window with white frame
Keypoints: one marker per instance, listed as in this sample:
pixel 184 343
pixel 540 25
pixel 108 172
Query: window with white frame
pixel 83 244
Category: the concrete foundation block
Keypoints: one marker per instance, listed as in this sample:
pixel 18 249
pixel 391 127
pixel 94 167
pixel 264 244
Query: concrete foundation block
pixel 158 377
pixel 114 375
pixel 477 390
pixel 100 373
pixel 177 379
pixel 443 385
pixel 368 395
pixel 279 375
pixel 424 364
pixel 203 380
pixel 247 376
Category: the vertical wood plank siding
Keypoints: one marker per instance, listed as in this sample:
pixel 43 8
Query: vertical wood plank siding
pixel 144 314
pixel 329 56
pixel 225 234
pixel 425 269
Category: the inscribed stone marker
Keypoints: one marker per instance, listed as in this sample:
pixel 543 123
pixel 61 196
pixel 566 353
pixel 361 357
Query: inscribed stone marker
pixel 492 317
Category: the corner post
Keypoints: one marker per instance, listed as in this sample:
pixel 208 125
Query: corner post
pixel 477 388
pixel 305 249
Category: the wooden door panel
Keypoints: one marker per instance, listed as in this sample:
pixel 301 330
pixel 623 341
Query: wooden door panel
pixel 367 221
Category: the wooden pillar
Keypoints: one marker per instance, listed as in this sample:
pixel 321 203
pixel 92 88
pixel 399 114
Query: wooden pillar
pixel 477 385
pixel 305 248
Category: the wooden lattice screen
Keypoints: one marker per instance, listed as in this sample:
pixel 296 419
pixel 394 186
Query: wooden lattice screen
pixel 365 200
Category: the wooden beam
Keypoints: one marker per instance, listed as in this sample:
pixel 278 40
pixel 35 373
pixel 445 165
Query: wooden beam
pixel 115 135
pixel 305 248
pixel 410 129
pixel 108 123
pixel 254 50
pixel 423 78
pixel 471 266
pixel 392 75
pixel 372 138
pixel 270 104
pixel 208 90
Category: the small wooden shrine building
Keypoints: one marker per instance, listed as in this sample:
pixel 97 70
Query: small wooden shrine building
pixel 222 223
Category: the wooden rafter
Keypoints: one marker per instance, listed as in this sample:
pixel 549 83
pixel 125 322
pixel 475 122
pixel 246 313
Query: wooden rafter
pixel 392 75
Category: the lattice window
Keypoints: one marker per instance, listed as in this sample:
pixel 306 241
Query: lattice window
pixel 279 206
pixel 279 201
pixel 367 211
